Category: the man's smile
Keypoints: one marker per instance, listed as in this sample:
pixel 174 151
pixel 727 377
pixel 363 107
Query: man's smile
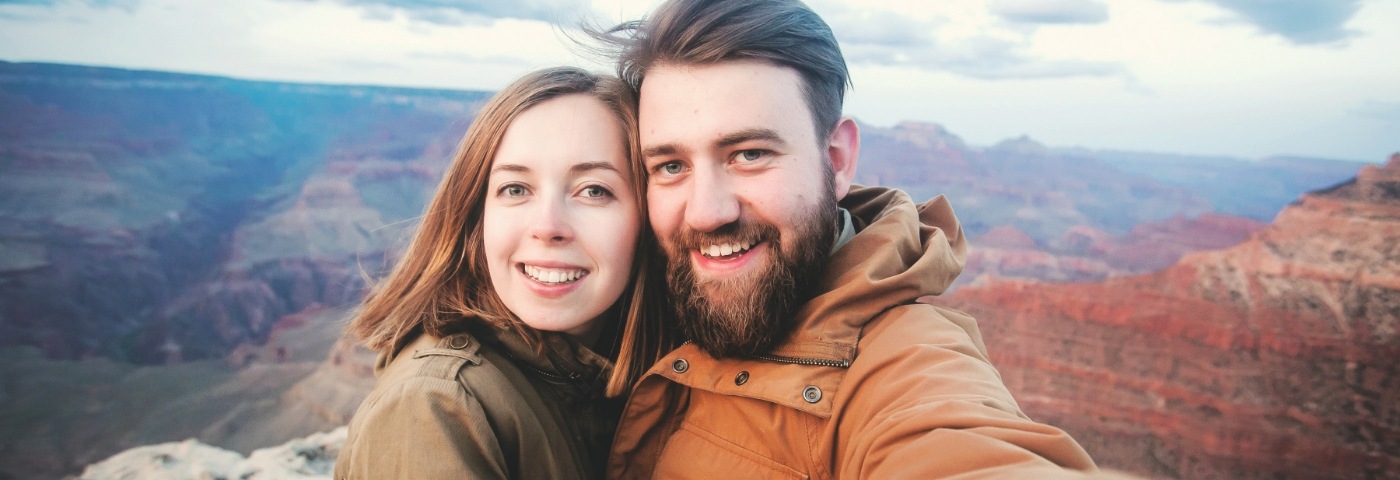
pixel 745 257
pixel 719 251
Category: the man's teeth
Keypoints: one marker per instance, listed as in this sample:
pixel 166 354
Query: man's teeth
pixel 553 275
pixel 726 249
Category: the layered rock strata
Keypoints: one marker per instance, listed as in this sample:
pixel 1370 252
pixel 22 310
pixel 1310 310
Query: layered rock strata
pixel 1272 359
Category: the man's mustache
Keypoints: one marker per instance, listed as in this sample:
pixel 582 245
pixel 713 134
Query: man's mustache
pixel 742 232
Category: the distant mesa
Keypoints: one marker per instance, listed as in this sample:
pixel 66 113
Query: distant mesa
pixel 1022 145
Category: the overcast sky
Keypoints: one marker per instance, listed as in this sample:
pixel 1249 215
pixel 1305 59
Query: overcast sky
pixel 1246 78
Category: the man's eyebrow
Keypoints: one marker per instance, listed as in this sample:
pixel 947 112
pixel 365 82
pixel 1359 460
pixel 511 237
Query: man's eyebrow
pixel 660 150
pixel 728 140
pixel 749 135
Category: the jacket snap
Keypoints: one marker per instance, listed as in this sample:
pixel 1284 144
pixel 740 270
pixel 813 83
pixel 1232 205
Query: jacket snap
pixel 741 378
pixel 812 394
pixel 459 342
pixel 680 365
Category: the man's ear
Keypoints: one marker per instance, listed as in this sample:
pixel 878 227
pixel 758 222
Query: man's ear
pixel 843 148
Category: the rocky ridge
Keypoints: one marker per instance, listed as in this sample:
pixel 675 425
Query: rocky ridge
pixel 1271 359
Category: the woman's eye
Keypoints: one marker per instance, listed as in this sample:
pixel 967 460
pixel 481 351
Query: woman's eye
pixel 513 190
pixel 595 191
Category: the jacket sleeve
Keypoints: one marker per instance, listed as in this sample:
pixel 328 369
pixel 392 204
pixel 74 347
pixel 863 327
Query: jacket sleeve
pixel 923 401
pixel 422 428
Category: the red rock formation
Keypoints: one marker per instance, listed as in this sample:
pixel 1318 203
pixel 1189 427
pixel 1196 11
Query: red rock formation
pixel 1272 359
pixel 1085 253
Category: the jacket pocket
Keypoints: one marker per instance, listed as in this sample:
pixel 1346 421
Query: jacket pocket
pixel 692 452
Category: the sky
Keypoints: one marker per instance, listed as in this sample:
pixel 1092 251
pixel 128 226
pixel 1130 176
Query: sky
pixel 1241 78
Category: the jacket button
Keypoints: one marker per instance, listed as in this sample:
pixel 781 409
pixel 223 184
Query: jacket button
pixel 812 394
pixel 459 342
pixel 680 365
pixel 741 378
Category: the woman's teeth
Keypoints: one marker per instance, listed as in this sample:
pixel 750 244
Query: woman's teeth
pixel 554 275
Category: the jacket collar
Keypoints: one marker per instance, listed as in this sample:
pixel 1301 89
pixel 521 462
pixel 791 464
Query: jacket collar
pixel 562 360
pixel 900 251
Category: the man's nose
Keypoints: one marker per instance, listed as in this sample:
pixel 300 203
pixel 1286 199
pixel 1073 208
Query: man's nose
pixel 552 223
pixel 712 203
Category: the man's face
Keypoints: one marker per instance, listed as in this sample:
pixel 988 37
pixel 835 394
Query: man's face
pixel 741 198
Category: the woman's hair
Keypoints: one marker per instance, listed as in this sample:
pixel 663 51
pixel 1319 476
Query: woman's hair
pixel 442 281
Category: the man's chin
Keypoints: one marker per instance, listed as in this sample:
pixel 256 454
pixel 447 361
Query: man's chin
pixel 729 285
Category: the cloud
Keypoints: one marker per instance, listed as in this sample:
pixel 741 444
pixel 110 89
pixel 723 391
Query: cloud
pixel 470 59
pixel 985 58
pixel 1386 112
pixel 450 12
pixel 1302 22
pixel 976 48
pixel 881 27
pixel 127 5
pixel 1050 11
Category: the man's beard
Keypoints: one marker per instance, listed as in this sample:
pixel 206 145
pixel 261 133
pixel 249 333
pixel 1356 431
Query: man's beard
pixel 746 315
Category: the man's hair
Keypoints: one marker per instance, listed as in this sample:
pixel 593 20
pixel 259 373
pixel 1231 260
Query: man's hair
pixel 698 32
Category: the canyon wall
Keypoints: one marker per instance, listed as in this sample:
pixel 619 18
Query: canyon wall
pixel 1271 359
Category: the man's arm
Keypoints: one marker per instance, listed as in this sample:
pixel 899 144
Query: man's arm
pixel 922 401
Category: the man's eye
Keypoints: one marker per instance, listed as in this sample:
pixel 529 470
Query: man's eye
pixel 671 168
pixel 750 155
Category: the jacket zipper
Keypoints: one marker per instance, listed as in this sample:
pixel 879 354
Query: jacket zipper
pixel 816 362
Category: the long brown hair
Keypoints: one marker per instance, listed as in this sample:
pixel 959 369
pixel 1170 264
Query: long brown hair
pixel 441 281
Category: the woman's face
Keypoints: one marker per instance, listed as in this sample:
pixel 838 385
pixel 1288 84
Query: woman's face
pixel 560 219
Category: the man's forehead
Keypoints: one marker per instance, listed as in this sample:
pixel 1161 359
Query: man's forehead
pixel 729 72
pixel 713 102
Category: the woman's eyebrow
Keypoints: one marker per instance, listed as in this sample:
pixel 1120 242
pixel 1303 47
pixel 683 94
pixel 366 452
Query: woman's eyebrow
pixel 586 166
pixel 510 167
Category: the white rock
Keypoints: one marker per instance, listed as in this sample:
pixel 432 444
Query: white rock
pixel 187 460
pixel 299 459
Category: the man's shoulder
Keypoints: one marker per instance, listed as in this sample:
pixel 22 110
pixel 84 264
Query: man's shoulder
pixel 922 323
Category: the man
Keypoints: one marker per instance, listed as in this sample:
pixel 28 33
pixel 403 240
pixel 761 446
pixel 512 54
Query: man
pixel 809 355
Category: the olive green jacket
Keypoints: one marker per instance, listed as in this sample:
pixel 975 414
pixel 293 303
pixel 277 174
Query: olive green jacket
pixel 456 407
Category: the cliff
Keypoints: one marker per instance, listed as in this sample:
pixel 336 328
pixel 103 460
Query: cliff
pixel 156 217
pixel 1083 253
pixel 1271 359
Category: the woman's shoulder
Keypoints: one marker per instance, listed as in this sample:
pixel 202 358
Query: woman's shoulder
pixel 458 358
pixel 432 414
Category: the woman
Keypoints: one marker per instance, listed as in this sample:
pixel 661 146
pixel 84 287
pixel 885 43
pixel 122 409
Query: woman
pixel 531 260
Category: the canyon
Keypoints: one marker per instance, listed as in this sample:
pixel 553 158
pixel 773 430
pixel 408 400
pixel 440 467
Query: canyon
pixel 1270 359
pixel 179 253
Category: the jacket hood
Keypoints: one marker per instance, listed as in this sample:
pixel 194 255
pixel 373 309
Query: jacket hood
pixel 900 251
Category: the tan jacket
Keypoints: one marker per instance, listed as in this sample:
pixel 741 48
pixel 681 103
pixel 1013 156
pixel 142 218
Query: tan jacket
pixel 871 384
pixel 457 408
